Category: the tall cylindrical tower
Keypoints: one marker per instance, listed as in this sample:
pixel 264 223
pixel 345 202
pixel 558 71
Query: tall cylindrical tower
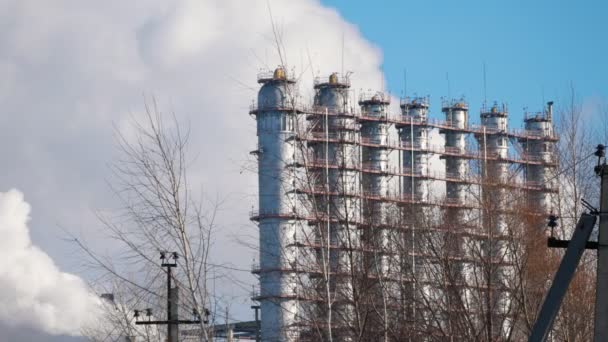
pixel 456 167
pixel 496 262
pixel 539 145
pixel 413 136
pixel 276 116
pixel 337 155
pixel 456 214
pixel 413 131
pixel 375 184
pixel 375 149
pixel 337 171
pixel 493 143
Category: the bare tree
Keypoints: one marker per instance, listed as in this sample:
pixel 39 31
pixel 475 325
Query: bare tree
pixel 157 214
pixel 578 182
pixel 535 263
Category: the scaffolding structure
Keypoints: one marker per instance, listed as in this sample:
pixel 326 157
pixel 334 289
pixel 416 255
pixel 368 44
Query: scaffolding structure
pixel 336 210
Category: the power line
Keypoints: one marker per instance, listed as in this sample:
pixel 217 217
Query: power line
pixel 513 200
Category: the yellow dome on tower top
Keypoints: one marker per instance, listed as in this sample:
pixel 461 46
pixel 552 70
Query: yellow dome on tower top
pixel 333 78
pixel 279 74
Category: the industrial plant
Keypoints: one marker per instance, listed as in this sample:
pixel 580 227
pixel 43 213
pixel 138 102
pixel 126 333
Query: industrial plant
pixel 395 225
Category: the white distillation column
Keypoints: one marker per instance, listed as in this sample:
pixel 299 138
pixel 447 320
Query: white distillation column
pixel 456 167
pixel 456 214
pixel 414 186
pixel 413 135
pixel 539 146
pixel 493 145
pixel 277 225
pixel 340 172
pixel 375 158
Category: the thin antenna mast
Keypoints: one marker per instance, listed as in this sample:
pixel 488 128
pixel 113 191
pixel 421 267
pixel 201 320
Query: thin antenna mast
pixel 447 78
pixel 542 94
pixel 404 82
pixel 342 71
pixel 485 94
pixel 382 79
pixel 277 37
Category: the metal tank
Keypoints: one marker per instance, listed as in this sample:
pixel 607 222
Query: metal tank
pixel 276 117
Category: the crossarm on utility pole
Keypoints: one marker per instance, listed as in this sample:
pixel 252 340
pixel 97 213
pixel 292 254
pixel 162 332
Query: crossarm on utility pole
pixel 169 260
pixel 562 279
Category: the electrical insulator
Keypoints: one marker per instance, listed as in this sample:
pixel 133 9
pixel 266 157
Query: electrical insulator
pixel 600 151
pixel 552 223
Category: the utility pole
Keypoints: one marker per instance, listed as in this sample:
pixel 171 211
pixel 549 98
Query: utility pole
pixel 601 289
pixel 169 260
pixel 230 333
pixel 575 248
pixel 574 251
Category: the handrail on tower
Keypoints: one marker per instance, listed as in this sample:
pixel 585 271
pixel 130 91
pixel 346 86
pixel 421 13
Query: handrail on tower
pixel 452 104
pixel 546 115
pixel 279 74
pixel 414 102
pixel 371 98
pixel 495 110
pixel 334 80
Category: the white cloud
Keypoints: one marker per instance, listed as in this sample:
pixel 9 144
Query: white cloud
pixel 33 291
pixel 69 70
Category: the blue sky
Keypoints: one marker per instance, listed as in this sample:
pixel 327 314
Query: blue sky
pixel 532 49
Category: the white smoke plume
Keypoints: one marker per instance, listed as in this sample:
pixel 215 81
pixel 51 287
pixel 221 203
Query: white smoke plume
pixel 33 291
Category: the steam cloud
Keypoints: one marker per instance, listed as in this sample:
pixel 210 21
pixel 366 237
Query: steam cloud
pixel 33 291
